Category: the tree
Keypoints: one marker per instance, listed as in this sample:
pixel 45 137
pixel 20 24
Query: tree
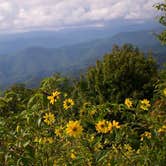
pixel 125 72
pixel 162 19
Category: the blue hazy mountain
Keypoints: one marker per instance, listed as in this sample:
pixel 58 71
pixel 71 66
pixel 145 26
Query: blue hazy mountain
pixel 34 63
pixel 14 42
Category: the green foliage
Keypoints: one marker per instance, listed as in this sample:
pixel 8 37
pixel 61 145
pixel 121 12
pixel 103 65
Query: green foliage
pixel 162 19
pixel 15 99
pixel 56 82
pixel 97 127
pixel 27 139
pixel 125 72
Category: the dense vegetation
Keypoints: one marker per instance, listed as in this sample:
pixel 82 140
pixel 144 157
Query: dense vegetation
pixel 162 19
pixel 123 73
pixel 114 115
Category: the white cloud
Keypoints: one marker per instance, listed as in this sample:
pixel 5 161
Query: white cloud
pixel 31 14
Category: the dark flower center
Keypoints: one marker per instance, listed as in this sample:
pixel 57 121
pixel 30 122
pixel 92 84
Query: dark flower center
pixel 74 128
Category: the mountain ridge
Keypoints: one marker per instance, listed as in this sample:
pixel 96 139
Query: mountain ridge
pixel 33 61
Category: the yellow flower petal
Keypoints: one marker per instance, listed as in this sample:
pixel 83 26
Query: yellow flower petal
pixel 49 118
pixel 68 104
pixel 128 103
pixel 145 104
pixel 74 128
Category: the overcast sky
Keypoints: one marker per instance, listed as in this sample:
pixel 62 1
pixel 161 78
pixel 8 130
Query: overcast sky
pixel 55 14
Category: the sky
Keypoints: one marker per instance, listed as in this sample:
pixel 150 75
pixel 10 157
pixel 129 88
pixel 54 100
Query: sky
pixel 26 15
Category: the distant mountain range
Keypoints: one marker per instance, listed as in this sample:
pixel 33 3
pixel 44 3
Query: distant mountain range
pixel 33 63
pixel 14 42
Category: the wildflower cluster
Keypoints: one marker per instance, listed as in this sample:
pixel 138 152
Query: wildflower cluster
pixel 67 103
pixel 104 126
pixel 60 135
pixel 44 140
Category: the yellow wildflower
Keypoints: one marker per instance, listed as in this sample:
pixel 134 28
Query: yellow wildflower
pixel 128 103
pixel 58 131
pixel 102 126
pixel 92 112
pixel 49 118
pixel 74 128
pixel 73 156
pixel 162 129
pixel 145 104
pixel 68 103
pixel 56 94
pixel 110 126
pixel 146 134
pixel 51 98
pixel 54 97
pixel 115 124
pixel 50 140
pixel 164 92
